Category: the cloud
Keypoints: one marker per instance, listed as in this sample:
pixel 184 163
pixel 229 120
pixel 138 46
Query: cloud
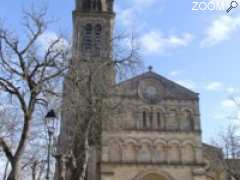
pixel 228 111
pixel 144 3
pixel 132 20
pixel 156 42
pixel 221 29
pixel 228 103
pixel 175 73
pixel 214 86
pixel 132 16
pixel 232 90
pixel 231 103
pixel 48 38
pixel 126 17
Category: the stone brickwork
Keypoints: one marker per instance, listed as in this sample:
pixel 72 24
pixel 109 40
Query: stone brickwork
pixel 156 131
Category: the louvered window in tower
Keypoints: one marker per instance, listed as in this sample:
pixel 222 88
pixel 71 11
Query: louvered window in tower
pixel 144 119
pixel 98 34
pixel 87 38
pixel 159 120
pixel 96 5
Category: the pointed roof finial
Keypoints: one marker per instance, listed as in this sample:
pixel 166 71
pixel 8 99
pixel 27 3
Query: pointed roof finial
pixel 150 68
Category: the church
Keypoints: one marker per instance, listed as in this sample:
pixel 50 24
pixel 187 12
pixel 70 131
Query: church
pixel 158 135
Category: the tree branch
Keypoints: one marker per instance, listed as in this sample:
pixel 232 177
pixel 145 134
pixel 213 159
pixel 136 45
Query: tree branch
pixel 6 150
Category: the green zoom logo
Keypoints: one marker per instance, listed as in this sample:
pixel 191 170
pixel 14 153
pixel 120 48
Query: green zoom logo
pixel 214 5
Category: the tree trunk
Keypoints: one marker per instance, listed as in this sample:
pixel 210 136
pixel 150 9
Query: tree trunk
pixel 14 173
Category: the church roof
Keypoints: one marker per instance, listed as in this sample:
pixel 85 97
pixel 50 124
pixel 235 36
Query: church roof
pixel 172 90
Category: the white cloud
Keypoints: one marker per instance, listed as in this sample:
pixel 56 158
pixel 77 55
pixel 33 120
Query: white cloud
pixel 231 103
pixel 155 42
pixel 214 86
pixel 48 38
pixel 221 29
pixel 127 17
pixel 228 103
pixel 132 17
pixel 232 90
pixel 175 73
pixel 144 3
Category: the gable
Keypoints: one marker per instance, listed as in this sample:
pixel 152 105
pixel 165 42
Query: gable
pixel 154 86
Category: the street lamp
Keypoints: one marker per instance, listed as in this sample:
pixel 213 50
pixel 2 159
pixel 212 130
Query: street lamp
pixel 50 123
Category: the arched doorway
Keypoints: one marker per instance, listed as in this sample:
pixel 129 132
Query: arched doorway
pixel 154 176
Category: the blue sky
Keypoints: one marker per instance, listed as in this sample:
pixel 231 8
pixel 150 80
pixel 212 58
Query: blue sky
pixel 198 49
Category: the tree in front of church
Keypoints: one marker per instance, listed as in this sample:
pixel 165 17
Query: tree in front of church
pixel 87 105
pixel 30 73
pixel 228 141
pixel 98 59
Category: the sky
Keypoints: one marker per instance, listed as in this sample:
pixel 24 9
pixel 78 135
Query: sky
pixel 195 43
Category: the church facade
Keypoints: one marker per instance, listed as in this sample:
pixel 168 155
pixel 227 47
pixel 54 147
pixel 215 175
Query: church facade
pixel 157 135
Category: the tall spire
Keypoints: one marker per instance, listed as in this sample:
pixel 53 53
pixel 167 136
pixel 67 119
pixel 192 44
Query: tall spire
pixel 94 5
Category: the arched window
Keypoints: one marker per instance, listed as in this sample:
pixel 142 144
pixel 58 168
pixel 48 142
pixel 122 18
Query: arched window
pixel 115 153
pixel 159 153
pixel 174 153
pixel 150 123
pixel 99 5
pixel 188 154
pixel 144 119
pixel 130 152
pixel 187 120
pixel 210 178
pixel 87 37
pixel 144 154
pixel 172 123
pixel 94 4
pixel 86 5
pixel 159 123
pixel 98 34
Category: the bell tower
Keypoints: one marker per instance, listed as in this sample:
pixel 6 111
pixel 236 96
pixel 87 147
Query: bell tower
pixel 93 22
pixel 93 26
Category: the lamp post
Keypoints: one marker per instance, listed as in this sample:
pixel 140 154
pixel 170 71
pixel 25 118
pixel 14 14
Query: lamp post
pixel 50 123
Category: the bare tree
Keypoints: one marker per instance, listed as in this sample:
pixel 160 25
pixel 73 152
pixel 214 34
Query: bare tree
pixel 229 141
pixel 87 104
pixel 225 156
pixel 28 74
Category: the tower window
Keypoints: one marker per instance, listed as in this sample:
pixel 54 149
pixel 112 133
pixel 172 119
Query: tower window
pixel 159 120
pixel 98 29
pixel 86 5
pixel 87 37
pixel 98 33
pixel 144 119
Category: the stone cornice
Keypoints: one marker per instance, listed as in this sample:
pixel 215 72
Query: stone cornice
pixel 166 164
pixel 160 131
pixel 93 14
